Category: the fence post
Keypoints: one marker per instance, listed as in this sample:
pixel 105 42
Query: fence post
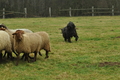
pixel 92 10
pixel 3 13
pixel 70 12
pixel 25 9
pixel 50 11
pixel 112 10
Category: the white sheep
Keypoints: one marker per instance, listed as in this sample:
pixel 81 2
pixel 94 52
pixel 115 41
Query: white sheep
pixel 25 30
pixel 44 45
pixel 26 43
pixel 13 30
pixel 10 32
pixel 45 42
pixel 5 43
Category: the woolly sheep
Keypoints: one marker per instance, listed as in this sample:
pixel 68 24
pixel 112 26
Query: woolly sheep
pixel 11 31
pixel 25 30
pixel 30 41
pixel 45 42
pixel 5 43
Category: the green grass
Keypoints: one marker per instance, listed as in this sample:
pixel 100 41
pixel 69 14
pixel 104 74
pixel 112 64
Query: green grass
pixel 95 56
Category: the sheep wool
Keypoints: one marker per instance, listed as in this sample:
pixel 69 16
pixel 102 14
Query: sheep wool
pixel 25 30
pixel 45 40
pixel 29 43
pixel 26 43
pixel 5 43
pixel 45 44
pixel 11 31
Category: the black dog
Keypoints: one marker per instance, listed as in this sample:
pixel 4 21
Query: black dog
pixel 69 31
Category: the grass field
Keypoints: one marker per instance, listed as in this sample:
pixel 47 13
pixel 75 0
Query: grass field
pixel 95 56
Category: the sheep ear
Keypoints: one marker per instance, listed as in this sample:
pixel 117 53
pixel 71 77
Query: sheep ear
pixel 2 28
pixel 14 34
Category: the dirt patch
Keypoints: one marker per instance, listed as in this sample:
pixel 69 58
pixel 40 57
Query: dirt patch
pixel 117 37
pixel 109 64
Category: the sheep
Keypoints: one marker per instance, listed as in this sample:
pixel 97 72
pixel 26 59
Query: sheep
pixel 10 32
pixel 26 43
pixel 25 30
pixel 44 45
pixel 11 37
pixel 45 42
pixel 5 43
pixel 69 31
pixel 13 30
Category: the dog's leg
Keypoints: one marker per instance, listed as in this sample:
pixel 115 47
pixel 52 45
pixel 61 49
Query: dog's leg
pixel 69 40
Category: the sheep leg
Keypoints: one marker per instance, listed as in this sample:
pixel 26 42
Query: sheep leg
pixel 18 56
pixel 0 56
pixel 30 57
pixel 26 56
pixel 10 55
pixel 15 53
pixel 46 55
pixel 35 55
pixel 22 56
pixel 5 54
pixel 40 54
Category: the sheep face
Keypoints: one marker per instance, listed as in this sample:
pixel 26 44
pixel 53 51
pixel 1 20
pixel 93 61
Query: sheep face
pixel 18 35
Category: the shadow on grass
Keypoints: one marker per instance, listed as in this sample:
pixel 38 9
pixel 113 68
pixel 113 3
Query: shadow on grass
pixel 21 61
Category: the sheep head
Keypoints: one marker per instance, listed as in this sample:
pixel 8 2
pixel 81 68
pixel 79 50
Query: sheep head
pixel 18 35
pixel 3 26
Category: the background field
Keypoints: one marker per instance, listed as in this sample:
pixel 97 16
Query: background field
pixel 95 56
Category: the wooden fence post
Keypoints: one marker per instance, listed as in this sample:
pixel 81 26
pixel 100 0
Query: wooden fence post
pixel 3 13
pixel 92 10
pixel 50 11
pixel 25 9
pixel 112 10
pixel 70 12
